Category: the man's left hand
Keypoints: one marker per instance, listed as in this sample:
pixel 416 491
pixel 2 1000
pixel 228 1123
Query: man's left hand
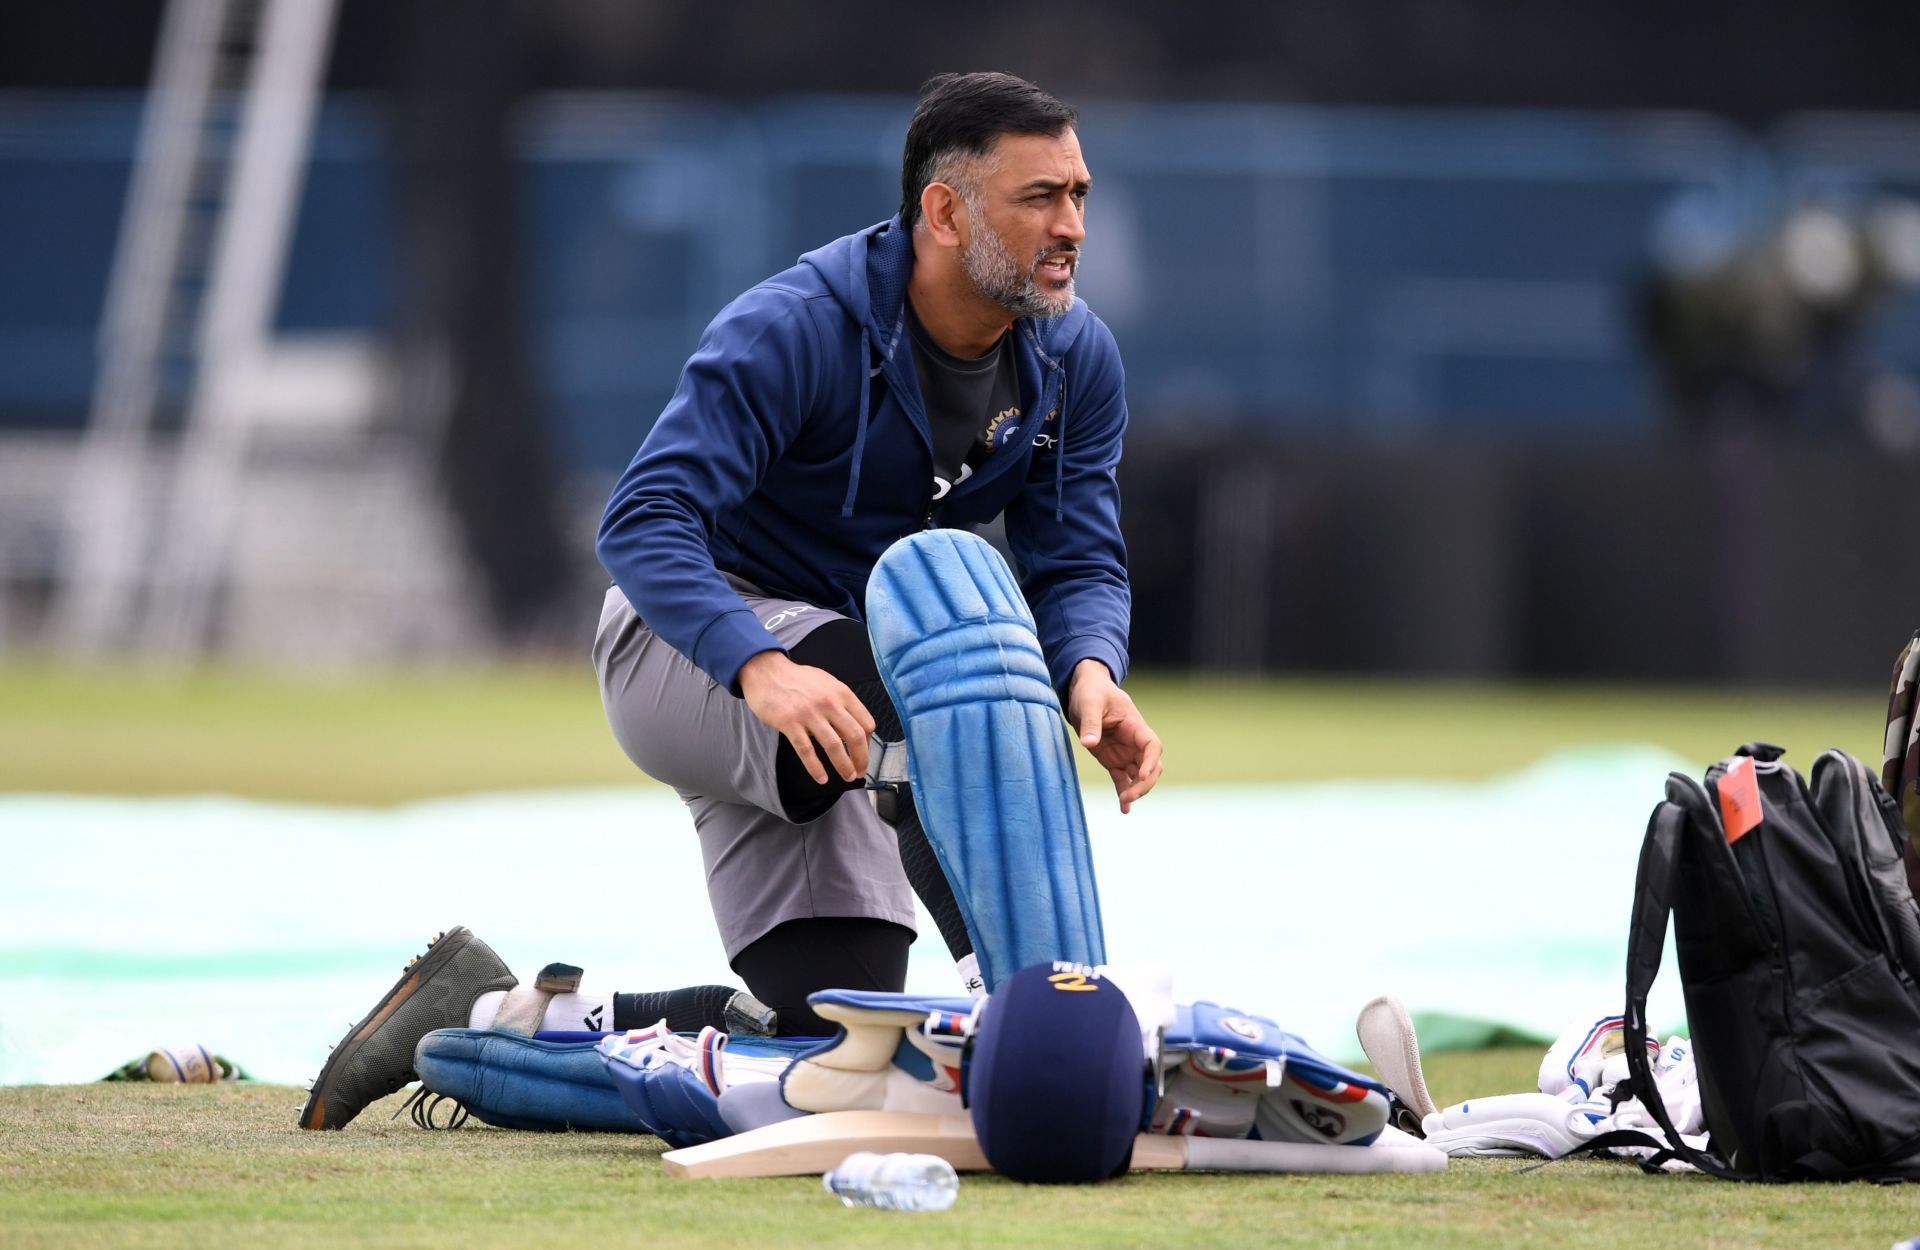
pixel 1113 730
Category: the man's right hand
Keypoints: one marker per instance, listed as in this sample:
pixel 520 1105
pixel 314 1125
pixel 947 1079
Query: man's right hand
pixel 806 706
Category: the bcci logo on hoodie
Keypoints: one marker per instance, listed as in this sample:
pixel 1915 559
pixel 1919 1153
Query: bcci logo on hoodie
pixel 995 436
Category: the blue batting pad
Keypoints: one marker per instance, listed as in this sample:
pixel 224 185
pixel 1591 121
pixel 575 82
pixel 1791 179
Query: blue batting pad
pixel 748 1107
pixel 988 752
pixel 673 1102
pixel 512 1081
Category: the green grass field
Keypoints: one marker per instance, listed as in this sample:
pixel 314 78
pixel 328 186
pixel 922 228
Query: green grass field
pixel 133 1165
pixel 126 1165
pixel 389 737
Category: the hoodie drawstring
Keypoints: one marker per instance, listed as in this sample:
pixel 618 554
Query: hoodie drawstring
pixel 860 430
pixel 860 435
pixel 1060 454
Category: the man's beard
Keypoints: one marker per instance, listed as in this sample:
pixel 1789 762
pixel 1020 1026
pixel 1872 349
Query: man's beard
pixel 997 276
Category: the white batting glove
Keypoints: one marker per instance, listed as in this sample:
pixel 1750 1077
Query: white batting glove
pixel 1578 1059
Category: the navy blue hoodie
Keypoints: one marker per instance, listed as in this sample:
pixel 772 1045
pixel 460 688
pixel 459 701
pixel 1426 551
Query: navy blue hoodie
pixel 796 449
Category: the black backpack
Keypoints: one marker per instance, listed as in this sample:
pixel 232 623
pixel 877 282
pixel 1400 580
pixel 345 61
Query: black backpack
pixel 1798 940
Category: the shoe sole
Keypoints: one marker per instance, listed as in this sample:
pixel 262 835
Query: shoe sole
pixel 439 952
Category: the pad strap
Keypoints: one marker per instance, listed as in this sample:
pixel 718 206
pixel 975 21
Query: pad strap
pixel 525 1006
pixel 1653 891
pixel 886 761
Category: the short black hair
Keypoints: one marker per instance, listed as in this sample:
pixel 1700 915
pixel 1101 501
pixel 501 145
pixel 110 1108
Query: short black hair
pixel 966 113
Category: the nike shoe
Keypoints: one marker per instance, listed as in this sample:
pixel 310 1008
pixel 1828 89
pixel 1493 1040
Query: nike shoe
pixel 375 1058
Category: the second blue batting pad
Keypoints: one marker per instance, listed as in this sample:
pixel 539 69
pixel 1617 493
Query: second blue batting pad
pixel 511 1081
pixel 988 753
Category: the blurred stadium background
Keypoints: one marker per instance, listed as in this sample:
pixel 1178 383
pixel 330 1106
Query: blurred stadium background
pixel 1464 339
pixel 1567 353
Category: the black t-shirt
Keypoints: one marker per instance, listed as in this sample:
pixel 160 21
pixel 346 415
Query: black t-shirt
pixel 963 397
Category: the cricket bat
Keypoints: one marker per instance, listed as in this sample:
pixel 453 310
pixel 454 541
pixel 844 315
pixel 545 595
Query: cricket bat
pixel 815 1144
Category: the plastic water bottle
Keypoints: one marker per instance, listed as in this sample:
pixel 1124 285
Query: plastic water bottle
pixel 895 1182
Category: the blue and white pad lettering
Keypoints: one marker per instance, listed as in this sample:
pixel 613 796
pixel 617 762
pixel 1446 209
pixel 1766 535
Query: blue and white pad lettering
pixel 513 1081
pixel 988 752
pixel 1231 1074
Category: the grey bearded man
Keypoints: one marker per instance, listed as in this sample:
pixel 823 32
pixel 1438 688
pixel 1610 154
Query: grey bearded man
pixel 934 370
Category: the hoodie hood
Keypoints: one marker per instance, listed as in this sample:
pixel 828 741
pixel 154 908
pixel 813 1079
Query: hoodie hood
pixel 867 273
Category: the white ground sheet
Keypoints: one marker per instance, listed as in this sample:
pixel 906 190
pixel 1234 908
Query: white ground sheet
pixel 263 930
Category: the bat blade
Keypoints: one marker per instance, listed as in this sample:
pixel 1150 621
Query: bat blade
pixel 815 1144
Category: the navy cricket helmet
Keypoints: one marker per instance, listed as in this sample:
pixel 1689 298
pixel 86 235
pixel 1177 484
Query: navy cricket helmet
pixel 1057 1079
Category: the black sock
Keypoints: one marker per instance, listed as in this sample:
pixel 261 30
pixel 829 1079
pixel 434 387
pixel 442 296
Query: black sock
pixel 929 881
pixel 685 1010
pixel 797 957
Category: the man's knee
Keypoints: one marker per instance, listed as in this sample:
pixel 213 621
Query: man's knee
pixel 840 647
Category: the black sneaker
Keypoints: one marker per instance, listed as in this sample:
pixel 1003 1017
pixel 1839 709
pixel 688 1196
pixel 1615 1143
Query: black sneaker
pixel 375 1058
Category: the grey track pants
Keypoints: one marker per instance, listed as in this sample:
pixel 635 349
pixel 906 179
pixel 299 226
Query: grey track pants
pixel 680 727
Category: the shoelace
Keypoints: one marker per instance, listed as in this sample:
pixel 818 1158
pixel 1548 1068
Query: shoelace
pixel 423 1104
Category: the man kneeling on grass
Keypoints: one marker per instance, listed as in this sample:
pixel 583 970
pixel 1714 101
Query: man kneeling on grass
pixel 935 369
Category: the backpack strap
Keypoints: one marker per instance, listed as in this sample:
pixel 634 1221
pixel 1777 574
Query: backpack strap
pixel 1873 846
pixel 1900 759
pixel 1619 1138
pixel 1646 944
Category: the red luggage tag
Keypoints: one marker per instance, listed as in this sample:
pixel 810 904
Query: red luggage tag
pixel 1740 799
